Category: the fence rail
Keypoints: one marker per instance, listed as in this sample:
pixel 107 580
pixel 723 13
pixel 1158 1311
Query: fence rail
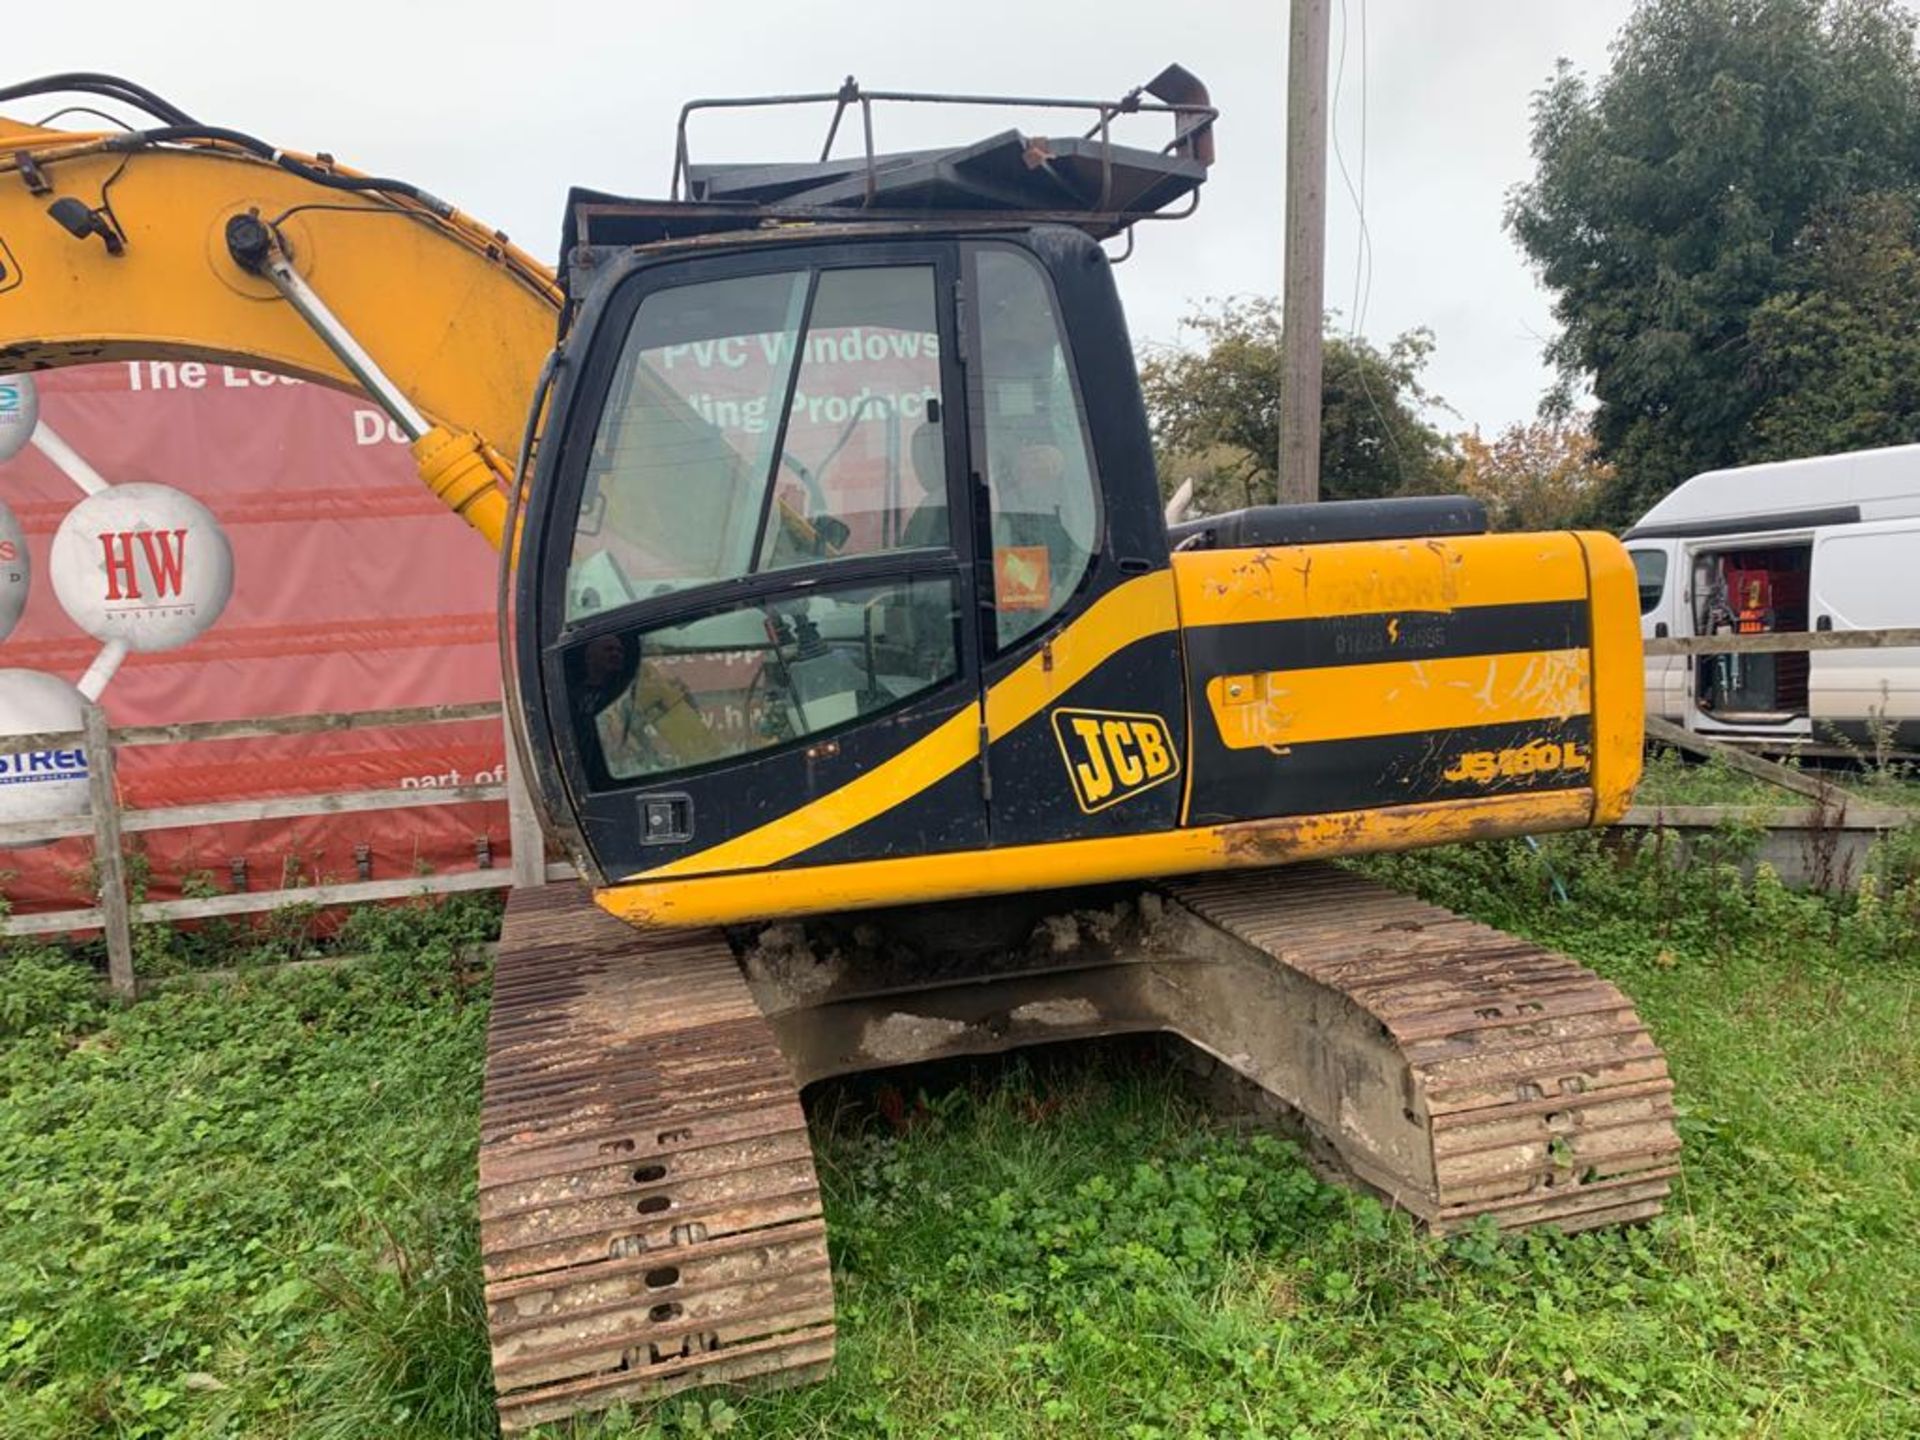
pixel 107 823
pixel 1778 642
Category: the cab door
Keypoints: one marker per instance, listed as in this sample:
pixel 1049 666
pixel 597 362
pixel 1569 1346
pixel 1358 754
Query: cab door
pixel 1085 688
pixel 755 589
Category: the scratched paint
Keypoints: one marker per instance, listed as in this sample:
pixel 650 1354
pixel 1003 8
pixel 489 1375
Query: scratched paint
pixel 1226 587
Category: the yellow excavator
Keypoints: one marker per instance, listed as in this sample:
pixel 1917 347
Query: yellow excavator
pixel 882 710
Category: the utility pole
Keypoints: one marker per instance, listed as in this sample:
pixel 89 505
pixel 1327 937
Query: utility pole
pixel 1303 301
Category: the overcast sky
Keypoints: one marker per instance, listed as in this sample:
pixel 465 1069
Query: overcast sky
pixel 500 107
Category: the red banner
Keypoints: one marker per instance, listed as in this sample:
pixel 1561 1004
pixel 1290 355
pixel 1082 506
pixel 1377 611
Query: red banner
pixel 351 589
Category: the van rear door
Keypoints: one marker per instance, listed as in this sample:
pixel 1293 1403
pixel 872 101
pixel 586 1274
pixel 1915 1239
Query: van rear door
pixel 1864 578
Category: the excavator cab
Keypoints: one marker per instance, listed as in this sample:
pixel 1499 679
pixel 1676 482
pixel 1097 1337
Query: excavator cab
pixel 804 510
pixel 835 450
pixel 845 580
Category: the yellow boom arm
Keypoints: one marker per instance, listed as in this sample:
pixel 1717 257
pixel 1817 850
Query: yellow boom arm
pixel 116 248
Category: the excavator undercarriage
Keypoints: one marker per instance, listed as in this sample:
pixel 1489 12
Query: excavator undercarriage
pixel 650 1218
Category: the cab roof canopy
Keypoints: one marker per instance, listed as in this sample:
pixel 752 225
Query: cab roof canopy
pixel 1087 180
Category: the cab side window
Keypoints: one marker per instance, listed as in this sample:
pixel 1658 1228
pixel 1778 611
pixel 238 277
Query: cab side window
pixel 1042 506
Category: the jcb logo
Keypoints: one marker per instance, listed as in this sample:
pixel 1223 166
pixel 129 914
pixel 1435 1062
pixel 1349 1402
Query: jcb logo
pixel 1537 757
pixel 1112 756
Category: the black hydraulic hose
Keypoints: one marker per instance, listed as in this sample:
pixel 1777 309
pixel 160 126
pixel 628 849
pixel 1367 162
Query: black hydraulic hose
pixel 182 126
pixel 111 87
pixel 253 145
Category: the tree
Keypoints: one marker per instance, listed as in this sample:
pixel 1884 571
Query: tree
pixel 1215 412
pixel 1543 476
pixel 1671 196
pixel 1838 354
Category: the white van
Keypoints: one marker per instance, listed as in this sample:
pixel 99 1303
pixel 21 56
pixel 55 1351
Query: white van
pixel 1827 543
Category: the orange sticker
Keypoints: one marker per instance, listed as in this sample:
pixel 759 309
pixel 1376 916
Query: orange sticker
pixel 1020 577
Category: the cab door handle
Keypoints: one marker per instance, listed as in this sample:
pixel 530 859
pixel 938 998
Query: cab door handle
pixel 1825 622
pixel 1659 629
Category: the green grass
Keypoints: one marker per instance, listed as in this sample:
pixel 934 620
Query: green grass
pixel 248 1211
pixel 1672 779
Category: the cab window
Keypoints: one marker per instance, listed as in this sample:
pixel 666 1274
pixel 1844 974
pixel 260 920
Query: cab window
pixel 762 422
pixel 863 459
pixel 1042 510
pixel 656 701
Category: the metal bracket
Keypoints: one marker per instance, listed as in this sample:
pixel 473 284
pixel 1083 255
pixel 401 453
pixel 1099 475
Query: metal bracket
pixel 31 174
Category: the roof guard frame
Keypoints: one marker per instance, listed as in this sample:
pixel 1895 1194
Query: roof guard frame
pixel 1175 92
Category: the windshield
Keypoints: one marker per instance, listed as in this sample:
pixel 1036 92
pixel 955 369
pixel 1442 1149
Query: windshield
pixel 733 443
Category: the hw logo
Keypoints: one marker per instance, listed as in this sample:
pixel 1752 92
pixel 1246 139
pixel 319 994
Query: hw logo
pixel 165 552
pixel 1112 755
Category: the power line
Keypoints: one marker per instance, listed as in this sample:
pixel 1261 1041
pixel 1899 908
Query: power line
pixel 1356 190
pixel 1363 244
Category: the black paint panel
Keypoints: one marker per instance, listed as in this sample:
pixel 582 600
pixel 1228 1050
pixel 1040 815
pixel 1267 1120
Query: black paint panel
pixel 768 785
pixel 1335 775
pixel 928 823
pixel 1251 649
pixel 1033 796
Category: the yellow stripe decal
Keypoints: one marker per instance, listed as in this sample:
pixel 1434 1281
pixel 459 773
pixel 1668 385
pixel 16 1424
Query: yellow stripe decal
pixel 1397 697
pixel 927 760
pixel 1133 611
pixel 1138 608
pixel 913 879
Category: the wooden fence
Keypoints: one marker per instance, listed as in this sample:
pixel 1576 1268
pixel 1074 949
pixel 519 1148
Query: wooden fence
pixel 1775 642
pixel 107 822
pixel 1827 838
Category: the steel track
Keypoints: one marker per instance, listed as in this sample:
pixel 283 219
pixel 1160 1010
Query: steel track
pixel 649 1214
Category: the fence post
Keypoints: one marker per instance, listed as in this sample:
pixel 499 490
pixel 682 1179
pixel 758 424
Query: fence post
pixel 528 840
pixel 109 864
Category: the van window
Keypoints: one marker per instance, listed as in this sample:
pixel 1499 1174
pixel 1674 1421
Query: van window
pixel 1650 566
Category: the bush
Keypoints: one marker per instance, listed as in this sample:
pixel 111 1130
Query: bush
pixel 41 989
